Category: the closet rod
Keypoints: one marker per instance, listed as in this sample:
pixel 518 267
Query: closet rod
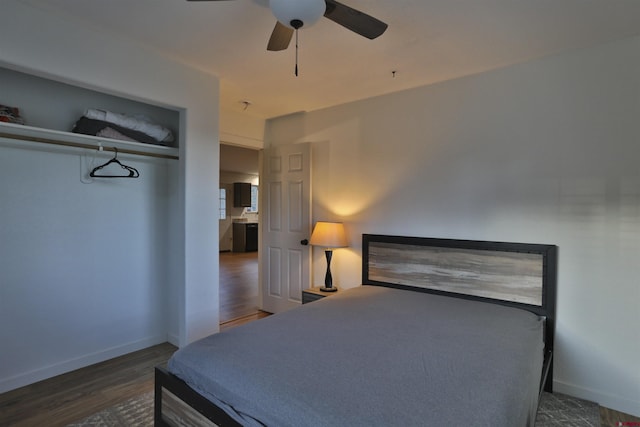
pixel 89 146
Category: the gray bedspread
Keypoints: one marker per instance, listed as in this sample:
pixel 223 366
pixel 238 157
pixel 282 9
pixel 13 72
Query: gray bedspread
pixel 374 356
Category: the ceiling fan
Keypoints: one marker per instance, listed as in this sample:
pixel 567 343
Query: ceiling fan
pixel 294 14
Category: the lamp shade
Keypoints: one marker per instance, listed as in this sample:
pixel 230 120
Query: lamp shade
pixel 305 11
pixel 329 235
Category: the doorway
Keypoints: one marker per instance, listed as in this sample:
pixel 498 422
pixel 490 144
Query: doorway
pixel 239 283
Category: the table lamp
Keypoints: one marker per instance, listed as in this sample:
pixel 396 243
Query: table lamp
pixel 328 235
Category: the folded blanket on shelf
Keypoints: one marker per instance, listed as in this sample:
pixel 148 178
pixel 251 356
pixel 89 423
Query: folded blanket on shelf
pixel 136 123
pixel 114 134
pixel 88 126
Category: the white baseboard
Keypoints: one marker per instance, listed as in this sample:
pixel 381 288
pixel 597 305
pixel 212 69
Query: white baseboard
pixel 173 339
pixel 26 378
pixel 617 403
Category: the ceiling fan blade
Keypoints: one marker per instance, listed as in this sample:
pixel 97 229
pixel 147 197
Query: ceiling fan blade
pixel 356 21
pixel 280 37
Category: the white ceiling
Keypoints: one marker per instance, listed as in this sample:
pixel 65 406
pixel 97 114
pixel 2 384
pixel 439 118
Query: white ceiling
pixel 427 41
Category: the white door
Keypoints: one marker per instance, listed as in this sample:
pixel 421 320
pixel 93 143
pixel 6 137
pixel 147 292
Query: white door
pixel 286 222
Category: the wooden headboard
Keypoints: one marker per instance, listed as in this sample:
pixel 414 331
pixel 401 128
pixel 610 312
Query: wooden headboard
pixel 519 275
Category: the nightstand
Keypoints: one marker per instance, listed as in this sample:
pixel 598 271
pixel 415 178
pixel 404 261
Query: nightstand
pixel 314 294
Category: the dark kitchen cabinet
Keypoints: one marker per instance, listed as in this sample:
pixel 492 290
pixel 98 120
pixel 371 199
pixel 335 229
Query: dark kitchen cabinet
pixel 241 194
pixel 245 237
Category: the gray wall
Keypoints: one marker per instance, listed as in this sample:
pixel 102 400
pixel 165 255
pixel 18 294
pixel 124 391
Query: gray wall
pixel 544 152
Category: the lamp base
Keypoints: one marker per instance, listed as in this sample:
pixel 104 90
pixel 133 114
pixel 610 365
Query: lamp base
pixel 331 289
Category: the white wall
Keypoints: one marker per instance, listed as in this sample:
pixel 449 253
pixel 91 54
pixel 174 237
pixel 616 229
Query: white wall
pixel 67 301
pixel 544 152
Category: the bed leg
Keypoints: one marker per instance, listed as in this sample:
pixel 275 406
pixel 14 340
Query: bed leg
pixel 547 373
pixel 157 400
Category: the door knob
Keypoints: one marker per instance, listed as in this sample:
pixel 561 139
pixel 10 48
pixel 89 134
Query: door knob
pixel 304 242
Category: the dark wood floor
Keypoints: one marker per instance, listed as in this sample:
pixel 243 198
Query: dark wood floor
pixel 238 284
pixel 73 396
pixel 76 395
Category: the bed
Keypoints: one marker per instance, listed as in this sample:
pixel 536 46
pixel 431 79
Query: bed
pixel 441 332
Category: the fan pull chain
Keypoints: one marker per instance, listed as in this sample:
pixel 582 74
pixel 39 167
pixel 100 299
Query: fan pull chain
pixel 296 70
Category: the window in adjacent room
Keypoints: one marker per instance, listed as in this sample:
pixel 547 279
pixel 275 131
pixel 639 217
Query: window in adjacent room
pixel 254 199
pixel 223 203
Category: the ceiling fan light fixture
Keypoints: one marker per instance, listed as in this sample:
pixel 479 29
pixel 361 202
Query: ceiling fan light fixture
pixel 293 12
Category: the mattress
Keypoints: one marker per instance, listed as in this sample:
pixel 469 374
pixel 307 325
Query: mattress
pixel 374 356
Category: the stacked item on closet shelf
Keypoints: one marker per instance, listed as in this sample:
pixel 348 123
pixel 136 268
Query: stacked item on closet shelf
pixel 123 127
pixel 10 115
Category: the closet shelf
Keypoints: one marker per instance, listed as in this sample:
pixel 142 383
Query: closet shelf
pixel 70 139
